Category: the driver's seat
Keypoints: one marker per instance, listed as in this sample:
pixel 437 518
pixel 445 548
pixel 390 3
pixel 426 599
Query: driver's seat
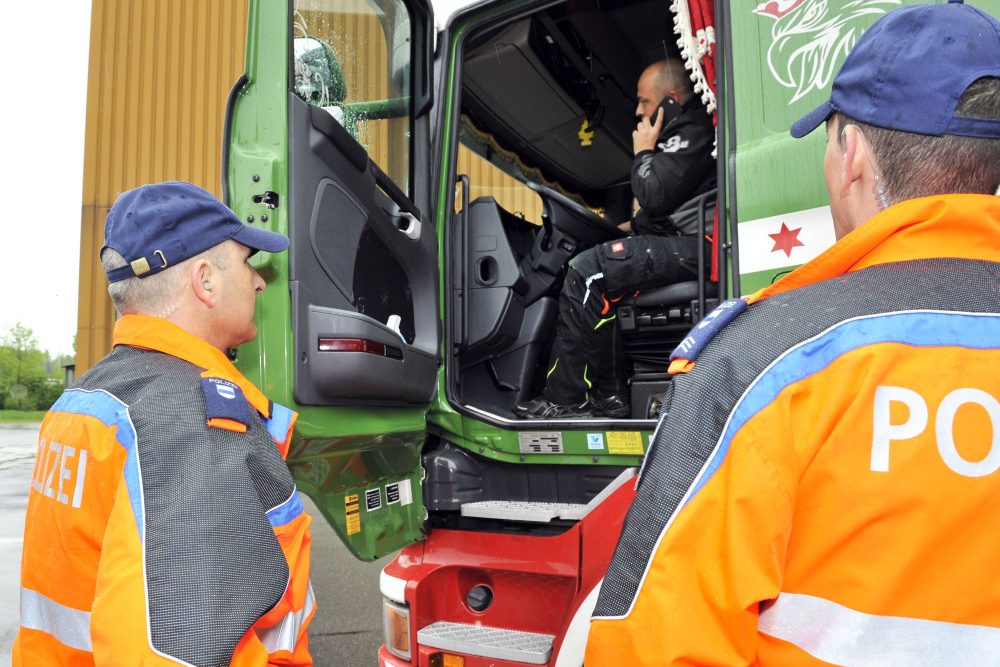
pixel 656 320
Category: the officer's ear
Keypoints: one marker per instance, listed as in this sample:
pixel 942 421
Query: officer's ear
pixel 202 276
pixel 854 158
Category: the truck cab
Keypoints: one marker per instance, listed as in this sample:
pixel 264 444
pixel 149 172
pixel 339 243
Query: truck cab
pixel 435 179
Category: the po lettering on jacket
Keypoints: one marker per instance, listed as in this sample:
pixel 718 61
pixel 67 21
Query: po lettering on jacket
pixel 888 435
pixel 60 472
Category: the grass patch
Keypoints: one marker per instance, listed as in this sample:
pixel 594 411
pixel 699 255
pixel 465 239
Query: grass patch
pixel 14 416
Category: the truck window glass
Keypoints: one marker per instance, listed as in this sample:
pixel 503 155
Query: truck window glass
pixel 488 180
pixel 352 58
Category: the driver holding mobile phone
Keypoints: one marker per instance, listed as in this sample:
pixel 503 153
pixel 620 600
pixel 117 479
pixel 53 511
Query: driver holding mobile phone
pixel 672 143
pixel 673 164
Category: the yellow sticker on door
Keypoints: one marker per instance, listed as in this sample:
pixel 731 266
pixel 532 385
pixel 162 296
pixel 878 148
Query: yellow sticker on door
pixel 624 442
pixel 352 510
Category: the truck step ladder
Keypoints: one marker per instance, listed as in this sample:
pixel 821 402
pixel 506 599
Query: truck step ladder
pixel 534 512
pixel 515 510
pixel 486 642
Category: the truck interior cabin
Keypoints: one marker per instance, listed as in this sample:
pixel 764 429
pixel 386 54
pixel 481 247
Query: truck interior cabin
pixel 548 98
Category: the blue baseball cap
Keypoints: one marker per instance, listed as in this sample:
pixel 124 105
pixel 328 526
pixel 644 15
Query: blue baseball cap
pixel 908 71
pixel 159 225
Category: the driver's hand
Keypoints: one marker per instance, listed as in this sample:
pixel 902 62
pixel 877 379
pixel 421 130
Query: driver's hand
pixel 626 226
pixel 645 135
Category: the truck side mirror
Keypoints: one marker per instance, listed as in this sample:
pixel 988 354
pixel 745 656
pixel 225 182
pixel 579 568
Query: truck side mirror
pixel 319 79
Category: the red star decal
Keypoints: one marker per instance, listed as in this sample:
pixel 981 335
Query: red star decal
pixel 786 239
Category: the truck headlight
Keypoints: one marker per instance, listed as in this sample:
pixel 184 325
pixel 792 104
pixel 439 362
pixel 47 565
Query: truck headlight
pixel 396 623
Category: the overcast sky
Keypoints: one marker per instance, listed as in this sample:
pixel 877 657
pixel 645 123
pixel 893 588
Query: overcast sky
pixel 44 48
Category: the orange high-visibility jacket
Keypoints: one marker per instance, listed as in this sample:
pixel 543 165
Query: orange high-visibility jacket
pixel 825 486
pixel 163 526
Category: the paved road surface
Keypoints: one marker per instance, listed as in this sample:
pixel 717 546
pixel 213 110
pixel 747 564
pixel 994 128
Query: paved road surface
pixel 17 455
pixel 346 631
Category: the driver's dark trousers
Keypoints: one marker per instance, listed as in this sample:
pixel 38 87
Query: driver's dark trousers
pixel 586 355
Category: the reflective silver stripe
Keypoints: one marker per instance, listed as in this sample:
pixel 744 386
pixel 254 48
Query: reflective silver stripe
pixel 843 636
pixel 591 279
pixel 645 165
pixel 283 635
pixel 70 626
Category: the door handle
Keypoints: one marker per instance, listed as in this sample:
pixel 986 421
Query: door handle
pixel 405 215
pixel 408 223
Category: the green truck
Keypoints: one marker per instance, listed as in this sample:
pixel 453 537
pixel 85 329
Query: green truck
pixel 413 310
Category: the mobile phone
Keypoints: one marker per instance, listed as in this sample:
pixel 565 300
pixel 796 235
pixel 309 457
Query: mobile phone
pixel 671 110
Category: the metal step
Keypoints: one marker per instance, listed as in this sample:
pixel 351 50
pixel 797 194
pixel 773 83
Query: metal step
pixel 479 640
pixel 516 510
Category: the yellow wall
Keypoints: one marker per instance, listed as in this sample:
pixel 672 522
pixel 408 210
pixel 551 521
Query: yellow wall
pixel 160 71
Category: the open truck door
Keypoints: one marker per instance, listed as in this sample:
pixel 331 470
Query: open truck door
pixel 327 141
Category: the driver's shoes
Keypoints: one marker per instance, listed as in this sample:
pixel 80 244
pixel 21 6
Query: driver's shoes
pixel 613 406
pixel 543 408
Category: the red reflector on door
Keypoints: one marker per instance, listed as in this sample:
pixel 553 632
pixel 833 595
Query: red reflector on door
pixel 351 345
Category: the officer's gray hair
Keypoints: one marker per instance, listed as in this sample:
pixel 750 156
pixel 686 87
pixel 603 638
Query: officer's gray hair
pixel 917 165
pixel 159 294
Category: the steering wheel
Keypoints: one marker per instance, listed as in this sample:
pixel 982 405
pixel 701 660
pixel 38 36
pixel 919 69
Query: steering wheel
pixel 580 214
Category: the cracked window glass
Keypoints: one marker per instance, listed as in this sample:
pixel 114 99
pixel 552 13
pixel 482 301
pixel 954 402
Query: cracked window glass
pixel 352 58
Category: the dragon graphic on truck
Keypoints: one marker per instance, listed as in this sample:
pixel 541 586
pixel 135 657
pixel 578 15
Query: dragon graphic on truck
pixel 810 38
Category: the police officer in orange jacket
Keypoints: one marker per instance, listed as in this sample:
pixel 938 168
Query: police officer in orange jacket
pixel 163 526
pixel 836 501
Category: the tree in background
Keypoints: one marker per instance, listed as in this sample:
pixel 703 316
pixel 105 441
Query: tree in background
pixel 29 379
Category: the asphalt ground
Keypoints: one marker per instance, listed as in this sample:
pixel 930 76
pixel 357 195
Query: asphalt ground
pixel 345 632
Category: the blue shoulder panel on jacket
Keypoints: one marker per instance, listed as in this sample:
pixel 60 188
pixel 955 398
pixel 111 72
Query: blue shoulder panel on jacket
pixel 703 332
pixel 280 421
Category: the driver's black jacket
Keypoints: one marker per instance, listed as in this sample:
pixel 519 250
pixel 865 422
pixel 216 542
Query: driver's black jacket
pixel 585 355
pixel 680 168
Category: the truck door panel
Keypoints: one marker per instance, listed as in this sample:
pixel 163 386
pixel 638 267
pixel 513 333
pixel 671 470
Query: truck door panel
pixel 355 267
pixel 363 265
pixel 325 141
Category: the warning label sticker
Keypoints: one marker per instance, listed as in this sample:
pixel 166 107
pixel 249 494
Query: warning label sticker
pixel 624 442
pixel 391 494
pixel 373 499
pixel 352 510
pixel 541 442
